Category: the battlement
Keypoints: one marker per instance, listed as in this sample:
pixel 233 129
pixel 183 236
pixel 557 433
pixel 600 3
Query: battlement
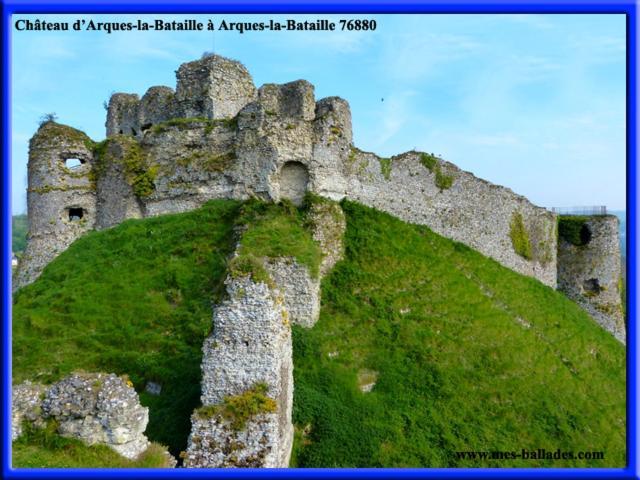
pixel 213 87
pixel 217 136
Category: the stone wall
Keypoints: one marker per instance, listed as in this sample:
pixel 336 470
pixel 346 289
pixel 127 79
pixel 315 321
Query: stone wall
pixel 61 200
pixel 96 408
pixel 250 346
pixel 426 190
pixel 211 88
pixel 589 270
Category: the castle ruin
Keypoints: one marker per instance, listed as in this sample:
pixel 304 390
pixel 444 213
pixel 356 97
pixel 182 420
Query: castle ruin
pixel 217 136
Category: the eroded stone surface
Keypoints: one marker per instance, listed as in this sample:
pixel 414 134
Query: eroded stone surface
pixel 26 401
pixel 591 274
pixel 250 345
pixel 99 408
pixel 96 408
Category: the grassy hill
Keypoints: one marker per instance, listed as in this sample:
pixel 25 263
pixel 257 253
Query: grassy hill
pixel 19 227
pixel 465 354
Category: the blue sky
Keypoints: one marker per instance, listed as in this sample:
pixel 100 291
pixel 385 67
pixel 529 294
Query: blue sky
pixel 532 102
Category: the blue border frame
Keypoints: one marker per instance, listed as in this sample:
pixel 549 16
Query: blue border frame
pixel 627 7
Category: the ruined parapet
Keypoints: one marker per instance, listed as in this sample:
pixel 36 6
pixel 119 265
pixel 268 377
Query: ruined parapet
pixel 247 359
pixel 213 87
pixel 423 189
pixel 60 196
pixel 589 270
pixel 275 142
pixel 332 145
pixel 193 159
pixel 127 114
pixel 122 114
pixel 156 106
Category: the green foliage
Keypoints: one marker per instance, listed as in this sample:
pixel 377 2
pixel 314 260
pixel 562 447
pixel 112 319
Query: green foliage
pixel 457 368
pixel 429 161
pixel 385 167
pixel 574 229
pixel 273 231
pixel 519 236
pixel 249 265
pixel 135 299
pixel 185 123
pixel 19 229
pixel 443 181
pixel 238 409
pixel 44 448
pixel 432 163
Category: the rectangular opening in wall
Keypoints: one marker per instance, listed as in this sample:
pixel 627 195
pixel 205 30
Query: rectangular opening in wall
pixel 75 214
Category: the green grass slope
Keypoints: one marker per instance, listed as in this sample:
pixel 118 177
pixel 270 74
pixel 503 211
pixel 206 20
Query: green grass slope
pixel 466 354
pixel 19 227
pixel 134 300
pixel 469 356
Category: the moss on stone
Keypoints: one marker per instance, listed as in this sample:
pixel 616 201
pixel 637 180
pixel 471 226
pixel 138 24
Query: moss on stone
pixel 519 236
pixel 574 229
pixel 429 160
pixel 138 172
pixel 52 131
pixel 432 163
pixel 208 162
pixel 248 265
pixel 443 181
pixel 239 409
pixel 385 167
pixel 186 123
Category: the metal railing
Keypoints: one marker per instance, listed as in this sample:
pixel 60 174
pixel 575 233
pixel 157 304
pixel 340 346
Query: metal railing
pixel 594 210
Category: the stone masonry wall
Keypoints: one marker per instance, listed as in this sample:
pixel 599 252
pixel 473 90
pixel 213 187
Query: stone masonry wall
pixel 96 408
pixel 590 273
pixel 250 346
pixel 53 190
pixel 470 210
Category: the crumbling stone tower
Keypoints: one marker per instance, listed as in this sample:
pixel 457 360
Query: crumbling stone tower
pixel 211 88
pixel 60 195
pixel 589 268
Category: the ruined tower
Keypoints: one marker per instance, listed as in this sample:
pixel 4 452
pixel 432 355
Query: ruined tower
pixel 60 196
pixel 589 267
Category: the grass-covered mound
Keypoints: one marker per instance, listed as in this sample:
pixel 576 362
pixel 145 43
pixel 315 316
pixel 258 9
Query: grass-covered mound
pixel 44 448
pixel 135 299
pixel 466 354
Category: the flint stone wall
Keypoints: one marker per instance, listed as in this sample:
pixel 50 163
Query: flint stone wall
pixel 250 344
pixel 591 274
pixel 53 190
pixel 95 408
pixel 471 210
